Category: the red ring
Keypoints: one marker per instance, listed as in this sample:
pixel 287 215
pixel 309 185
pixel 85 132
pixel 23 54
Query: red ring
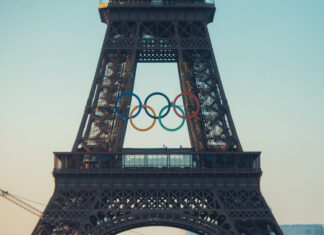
pixel 197 101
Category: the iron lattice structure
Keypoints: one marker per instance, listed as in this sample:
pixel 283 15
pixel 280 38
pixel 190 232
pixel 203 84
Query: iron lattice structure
pixel 102 188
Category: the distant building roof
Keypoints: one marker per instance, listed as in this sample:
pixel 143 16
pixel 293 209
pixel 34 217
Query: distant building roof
pixel 303 229
pixel 296 229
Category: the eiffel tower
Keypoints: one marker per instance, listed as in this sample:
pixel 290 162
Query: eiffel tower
pixel 211 188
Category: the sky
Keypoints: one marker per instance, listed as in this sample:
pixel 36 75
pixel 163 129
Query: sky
pixel 270 56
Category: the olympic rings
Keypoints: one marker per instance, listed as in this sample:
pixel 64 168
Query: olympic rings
pixel 160 117
pixel 158 93
pixel 131 121
pixel 197 109
pixel 128 93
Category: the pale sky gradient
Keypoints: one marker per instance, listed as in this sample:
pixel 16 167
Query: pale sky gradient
pixel 270 55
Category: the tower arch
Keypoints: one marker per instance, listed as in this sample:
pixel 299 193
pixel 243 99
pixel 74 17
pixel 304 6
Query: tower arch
pixel 176 220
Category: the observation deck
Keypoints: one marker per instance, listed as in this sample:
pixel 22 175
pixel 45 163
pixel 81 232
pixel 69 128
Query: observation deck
pixel 157 10
pixel 164 167
pixel 154 159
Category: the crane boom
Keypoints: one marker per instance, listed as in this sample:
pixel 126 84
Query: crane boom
pixel 26 206
pixel 20 203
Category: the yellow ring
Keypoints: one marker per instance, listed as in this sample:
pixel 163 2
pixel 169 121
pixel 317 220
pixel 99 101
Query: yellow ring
pixel 131 114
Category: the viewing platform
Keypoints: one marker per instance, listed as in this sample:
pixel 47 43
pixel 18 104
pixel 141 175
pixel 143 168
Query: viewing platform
pixel 141 159
pixel 157 3
pixel 166 168
pixel 157 10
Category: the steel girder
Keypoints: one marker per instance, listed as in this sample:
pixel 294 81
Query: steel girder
pixel 205 211
pixel 186 43
pixel 95 209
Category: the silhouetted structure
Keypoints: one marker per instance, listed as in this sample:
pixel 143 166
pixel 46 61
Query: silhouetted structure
pixel 211 188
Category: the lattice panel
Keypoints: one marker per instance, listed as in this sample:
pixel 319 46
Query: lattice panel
pixel 250 214
pixel 191 207
pixel 157 30
pixel 142 200
pixel 242 200
pixel 194 43
pixel 201 211
pixel 122 29
pixel 212 129
pixel 130 42
pixel 192 30
pixel 99 211
pixel 119 210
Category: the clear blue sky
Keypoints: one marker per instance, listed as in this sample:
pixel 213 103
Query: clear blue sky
pixel 270 55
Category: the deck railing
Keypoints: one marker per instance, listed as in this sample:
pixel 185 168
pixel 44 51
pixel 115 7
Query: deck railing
pixel 106 3
pixel 242 160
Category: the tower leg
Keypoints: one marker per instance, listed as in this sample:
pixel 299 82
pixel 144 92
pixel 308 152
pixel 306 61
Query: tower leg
pixel 101 128
pixel 213 127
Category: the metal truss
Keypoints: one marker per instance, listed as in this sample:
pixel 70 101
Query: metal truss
pixel 100 126
pixel 186 43
pixel 105 199
pixel 207 211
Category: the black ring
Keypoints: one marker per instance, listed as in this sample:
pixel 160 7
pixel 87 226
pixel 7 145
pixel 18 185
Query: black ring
pixel 157 93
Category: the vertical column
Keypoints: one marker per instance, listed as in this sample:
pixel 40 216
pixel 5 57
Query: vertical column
pixel 130 70
pixel 195 128
pixel 213 128
pixel 236 140
pixel 101 129
pixel 88 108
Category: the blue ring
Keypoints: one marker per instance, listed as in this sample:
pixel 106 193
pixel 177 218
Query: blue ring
pixel 117 100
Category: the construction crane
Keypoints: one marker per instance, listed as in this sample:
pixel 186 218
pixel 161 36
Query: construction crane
pixel 15 199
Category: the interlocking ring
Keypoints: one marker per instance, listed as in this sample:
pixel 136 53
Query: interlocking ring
pixel 160 117
pixel 197 109
pixel 119 97
pixel 131 121
pixel 161 94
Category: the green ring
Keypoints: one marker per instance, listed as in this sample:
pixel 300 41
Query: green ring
pixel 169 129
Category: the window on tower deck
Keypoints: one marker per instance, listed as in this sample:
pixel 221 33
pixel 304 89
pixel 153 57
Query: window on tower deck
pixel 157 161
pixel 157 2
